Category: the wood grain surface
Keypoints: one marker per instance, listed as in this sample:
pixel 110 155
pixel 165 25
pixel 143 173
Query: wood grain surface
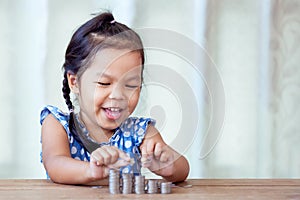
pixel 191 189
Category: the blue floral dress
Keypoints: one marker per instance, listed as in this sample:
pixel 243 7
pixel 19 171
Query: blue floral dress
pixel 127 137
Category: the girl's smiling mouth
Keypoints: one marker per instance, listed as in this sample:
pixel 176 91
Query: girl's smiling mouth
pixel 113 113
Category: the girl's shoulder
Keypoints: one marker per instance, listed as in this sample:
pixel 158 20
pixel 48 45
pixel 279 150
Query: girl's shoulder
pixel 137 123
pixel 131 133
pixel 61 116
pixel 134 128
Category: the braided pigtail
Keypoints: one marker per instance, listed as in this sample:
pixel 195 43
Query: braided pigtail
pixel 66 93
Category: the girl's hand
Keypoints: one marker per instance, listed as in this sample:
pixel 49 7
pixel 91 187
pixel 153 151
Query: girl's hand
pixel 158 157
pixel 105 158
pixel 161 159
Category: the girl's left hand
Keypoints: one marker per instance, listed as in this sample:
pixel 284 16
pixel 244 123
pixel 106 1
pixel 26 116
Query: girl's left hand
pixel 158 157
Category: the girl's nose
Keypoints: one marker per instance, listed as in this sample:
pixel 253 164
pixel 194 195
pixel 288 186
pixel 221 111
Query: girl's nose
pixel 116 92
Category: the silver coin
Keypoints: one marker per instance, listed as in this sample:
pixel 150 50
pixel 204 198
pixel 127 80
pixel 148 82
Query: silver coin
pixel 152 186
pixel 165 187
pixel 114 181
pixel 139 184
pixel 126 183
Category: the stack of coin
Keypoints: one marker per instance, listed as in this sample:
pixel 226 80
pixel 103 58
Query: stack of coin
pixel 126 183
pixel 114 181
pixel 152 186
pixel 139 184
pixel 165 187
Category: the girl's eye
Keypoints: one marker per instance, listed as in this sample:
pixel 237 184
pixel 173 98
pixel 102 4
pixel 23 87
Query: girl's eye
pixel 132 86
pixel 103 83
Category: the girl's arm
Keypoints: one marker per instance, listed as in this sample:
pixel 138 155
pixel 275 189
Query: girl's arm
pixel 62 168
pixel 162 159
pixel 59 164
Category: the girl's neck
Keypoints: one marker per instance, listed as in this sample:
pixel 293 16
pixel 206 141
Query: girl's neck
pixel 97 133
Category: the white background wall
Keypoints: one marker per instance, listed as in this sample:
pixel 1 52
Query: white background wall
pixel 254 45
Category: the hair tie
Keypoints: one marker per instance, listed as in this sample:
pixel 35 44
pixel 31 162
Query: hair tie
pixel 112 21
pixel 71 110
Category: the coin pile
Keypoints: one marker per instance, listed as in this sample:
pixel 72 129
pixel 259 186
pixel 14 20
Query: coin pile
pixel 152 186
pixel 165 187
pixel 139 184
pixel 126 183
pixel 114 181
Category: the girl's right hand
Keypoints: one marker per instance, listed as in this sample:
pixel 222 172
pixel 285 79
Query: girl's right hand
pixel 105 158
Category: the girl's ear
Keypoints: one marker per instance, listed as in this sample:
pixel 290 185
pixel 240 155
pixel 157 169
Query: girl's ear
pixel 73 83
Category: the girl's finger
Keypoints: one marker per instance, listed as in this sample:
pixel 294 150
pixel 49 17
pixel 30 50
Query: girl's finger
pixel 166 156
pixel 147 149
pixel 117 165
pixel 97 158
pixel 123 155
pixel 106 156
pixel 150 147
pixel 147 153
pixel 117 153
pixel 113 155
pixel 157 151
pixel 105 172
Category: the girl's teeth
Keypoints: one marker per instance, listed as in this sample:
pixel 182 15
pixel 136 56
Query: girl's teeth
pixel 113 113
pixel 114 109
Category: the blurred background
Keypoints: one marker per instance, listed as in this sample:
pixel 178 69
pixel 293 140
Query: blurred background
pixel 253 46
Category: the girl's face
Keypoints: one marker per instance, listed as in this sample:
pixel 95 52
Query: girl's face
pixel 108 91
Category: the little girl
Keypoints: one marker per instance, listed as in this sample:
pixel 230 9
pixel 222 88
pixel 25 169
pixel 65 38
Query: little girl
pixel 103 68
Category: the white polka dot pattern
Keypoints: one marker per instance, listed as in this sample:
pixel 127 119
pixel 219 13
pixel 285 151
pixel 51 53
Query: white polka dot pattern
pixel 127 137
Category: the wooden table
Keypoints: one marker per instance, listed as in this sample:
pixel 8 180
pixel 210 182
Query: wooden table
pixel 191 189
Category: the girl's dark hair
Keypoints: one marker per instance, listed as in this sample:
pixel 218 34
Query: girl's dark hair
pixel 100 32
